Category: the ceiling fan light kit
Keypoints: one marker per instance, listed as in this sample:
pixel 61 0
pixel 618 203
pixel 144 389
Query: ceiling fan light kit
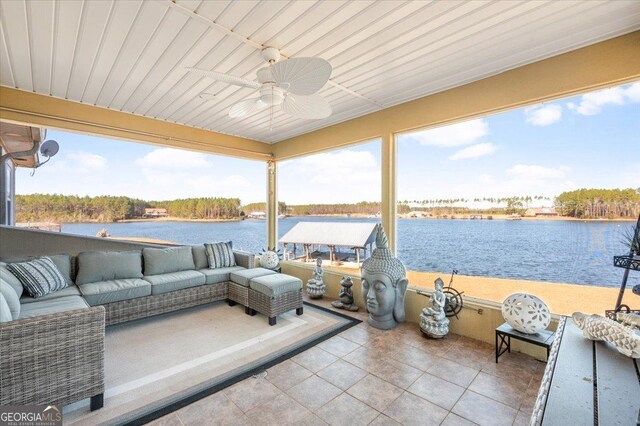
pixel 291 84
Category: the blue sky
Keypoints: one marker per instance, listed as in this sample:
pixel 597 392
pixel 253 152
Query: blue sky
pixel 591 140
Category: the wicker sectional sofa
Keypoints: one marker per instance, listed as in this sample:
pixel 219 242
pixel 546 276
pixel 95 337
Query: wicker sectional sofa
pixel 52 350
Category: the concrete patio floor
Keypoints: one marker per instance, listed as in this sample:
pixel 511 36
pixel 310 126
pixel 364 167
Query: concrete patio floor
pixel 365 376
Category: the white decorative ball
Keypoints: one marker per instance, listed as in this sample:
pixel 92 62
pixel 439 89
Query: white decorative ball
pixel 269 260
pixel 526 313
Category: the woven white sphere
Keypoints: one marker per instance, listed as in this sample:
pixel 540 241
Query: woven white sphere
pixel 269 260
pixel 526 313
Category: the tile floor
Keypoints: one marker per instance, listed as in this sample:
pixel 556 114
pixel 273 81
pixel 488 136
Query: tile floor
pixel 365 376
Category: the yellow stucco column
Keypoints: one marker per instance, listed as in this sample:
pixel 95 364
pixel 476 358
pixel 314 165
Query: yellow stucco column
pixel 272 205
pixel 389 194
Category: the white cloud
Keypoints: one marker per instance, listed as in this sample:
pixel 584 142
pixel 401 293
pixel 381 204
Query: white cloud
pixel 543 115
pixel 592 103
pixel 77 162
pixel 474 151
pixel 459 134
pixel 170 158
pixel 531 171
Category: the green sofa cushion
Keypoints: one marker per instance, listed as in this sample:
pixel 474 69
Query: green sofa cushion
pixel 100 266
pixel 172 281
pixel 200 256
pixel 72 290
pixel 164 260
pixel 275 285
pixel 219 275
pixel 5 312
pixel 243 277
pixel 52 306
pixel 103 292
pixel 11 279
pixel 11 298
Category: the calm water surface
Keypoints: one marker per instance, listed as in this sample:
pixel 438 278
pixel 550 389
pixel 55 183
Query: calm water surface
pixel 554 251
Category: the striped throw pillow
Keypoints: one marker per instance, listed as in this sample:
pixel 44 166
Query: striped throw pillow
pixel 220 255
pixel 38 276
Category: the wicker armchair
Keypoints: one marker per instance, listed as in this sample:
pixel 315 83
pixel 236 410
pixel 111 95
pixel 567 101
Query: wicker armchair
pixel 57 358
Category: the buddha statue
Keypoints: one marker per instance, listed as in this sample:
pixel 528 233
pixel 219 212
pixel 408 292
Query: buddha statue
pixel 384 284
pixel 316 287
pixel 433 321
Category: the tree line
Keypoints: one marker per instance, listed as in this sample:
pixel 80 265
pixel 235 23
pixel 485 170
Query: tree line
pixel 599 203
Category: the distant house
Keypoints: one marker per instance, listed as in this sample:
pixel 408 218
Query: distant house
pixel 257 215
pixel 155 213
pixel 541 211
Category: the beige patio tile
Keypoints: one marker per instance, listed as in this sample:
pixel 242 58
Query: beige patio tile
pixel 455 420
pixel 168 420
pixel 346 410
pixel 383 420
pixel 311 420
pixel 358 335
pixel 214 408
pixel 510 392
pixel 287 374
pixel 375 392
pixel 409 409
pixel 394 372
pixel 453 372
pixel 314 359
pixel 439 391
pixel 342 374
pixel 338 346
pixel 414 357
pixel 281 410
pixel 252 392
pixel 522 419
pixel 314 392
pixel 484 411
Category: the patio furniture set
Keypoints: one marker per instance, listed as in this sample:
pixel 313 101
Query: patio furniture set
pixel 52 347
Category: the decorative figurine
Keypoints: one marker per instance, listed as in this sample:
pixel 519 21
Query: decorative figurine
pixel 596 327
pixel 315 286
pixel 269 260
pixel 433 321
pixel 345 296
pixel 526 313
pixel 384 284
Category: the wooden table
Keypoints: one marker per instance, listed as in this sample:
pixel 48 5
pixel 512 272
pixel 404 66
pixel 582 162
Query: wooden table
pixel 505 332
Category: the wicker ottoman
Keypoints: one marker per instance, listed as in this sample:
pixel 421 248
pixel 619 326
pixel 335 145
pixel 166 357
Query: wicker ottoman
pixel 239 285
pixel 275 294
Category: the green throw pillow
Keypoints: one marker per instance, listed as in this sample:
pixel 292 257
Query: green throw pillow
pixel 220 255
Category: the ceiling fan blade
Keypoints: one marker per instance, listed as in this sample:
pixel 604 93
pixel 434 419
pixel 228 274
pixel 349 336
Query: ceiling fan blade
pixel 246 107
pixel 301 76
pixel 226 78
pixel 314 106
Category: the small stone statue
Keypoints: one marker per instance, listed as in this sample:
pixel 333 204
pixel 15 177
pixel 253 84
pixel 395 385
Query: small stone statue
pixel 596 327
pixel 384 285
pixel 433 321
pixel 345 296
pixel 315 286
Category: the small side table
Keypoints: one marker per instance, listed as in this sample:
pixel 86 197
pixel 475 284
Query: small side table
pixel 505 332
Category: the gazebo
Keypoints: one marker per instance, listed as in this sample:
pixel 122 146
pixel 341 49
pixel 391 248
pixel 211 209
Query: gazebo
pixel 356 236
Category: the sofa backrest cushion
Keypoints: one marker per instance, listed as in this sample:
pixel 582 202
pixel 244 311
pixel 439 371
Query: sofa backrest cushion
pixel 5 313
pixel 10 279
pixel 62 261
pixel 220 255
pixel 200 256
pixel 97 266
pixel 166 260
pixel 38 276
pixel 11 298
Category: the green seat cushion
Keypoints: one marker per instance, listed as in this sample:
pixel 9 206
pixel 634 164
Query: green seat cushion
pixel 164 260
pixel 10 279
pixel 243 277
pixel 98 266
pixel 275 285
pixel 72 290
pixel 200 256
pixel 11 298
pixel 173 281
pixel 103 292
pixel 219 275
pixel 52 306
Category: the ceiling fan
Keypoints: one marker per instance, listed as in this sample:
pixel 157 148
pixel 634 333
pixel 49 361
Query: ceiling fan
pixel 290 84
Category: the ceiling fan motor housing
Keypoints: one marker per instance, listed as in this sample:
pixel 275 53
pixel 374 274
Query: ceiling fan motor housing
pixel 271 95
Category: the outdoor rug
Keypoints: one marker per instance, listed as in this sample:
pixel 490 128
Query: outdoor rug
pixel 156 365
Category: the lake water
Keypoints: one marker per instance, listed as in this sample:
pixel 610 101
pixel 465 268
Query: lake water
pixel 553 251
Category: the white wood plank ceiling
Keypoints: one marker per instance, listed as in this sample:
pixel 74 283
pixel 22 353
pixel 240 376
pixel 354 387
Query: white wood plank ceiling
pixel 130 55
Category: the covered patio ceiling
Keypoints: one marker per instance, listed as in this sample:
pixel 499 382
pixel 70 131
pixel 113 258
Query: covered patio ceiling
pixel 130 56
